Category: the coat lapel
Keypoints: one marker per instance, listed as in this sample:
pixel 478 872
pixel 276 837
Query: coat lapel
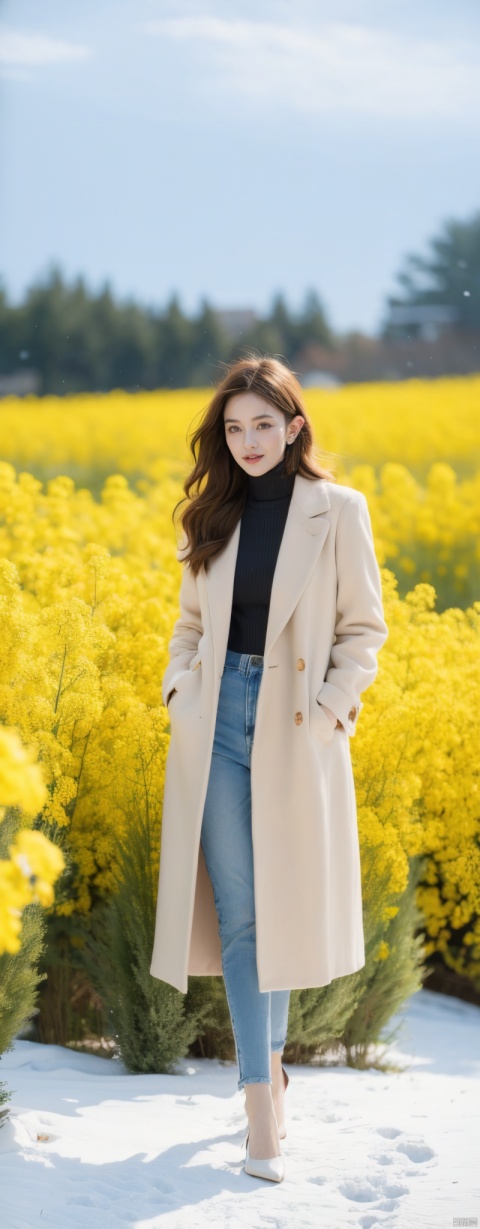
pixel 303 538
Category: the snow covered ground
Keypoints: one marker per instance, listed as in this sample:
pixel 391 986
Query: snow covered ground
pixel 363 1148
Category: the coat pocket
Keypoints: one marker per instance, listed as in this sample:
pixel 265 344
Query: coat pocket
pixel 323 729
pixel 181 682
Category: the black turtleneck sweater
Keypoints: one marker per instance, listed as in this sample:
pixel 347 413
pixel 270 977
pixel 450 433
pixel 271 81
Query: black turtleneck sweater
pixel 261 531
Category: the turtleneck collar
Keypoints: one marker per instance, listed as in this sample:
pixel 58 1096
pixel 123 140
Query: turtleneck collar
pixel 272 485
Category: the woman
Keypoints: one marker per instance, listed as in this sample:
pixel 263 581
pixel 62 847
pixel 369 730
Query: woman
pixel 280 624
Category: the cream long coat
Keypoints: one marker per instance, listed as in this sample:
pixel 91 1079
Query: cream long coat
pixel 325 628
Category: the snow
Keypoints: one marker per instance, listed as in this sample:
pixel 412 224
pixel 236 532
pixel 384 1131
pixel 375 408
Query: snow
pixel 363 1148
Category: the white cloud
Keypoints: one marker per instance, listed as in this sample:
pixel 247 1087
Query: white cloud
pixel 330 68
pixel 29 49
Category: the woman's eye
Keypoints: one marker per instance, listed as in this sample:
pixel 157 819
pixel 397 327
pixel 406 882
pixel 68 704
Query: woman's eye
pixel 261 424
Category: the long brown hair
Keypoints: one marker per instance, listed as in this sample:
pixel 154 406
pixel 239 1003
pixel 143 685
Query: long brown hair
pixel 212 514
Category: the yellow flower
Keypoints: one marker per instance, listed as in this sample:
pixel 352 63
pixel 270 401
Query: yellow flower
pixel 40 861
pixel 21 780
pixel 14 895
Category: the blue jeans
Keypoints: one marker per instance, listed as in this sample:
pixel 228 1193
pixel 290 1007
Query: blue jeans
pixel 259 1018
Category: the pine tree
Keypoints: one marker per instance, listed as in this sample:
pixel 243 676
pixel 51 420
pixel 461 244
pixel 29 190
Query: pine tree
pixel 146 1015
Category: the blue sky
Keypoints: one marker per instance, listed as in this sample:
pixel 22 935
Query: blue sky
pixel 231 151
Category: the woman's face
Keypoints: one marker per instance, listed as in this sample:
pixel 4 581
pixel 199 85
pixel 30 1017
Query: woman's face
pixel 254 428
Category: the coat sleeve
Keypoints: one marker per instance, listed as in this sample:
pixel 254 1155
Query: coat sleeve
pixel 360 628
pixel 187 630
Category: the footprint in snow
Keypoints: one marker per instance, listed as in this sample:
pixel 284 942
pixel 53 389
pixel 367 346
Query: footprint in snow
pixel 416 1152
pixel 361 1191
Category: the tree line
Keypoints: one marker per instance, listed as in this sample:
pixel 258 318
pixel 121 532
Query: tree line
pixel 78 341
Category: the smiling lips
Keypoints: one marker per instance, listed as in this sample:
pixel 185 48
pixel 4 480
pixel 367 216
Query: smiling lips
pixel 255 457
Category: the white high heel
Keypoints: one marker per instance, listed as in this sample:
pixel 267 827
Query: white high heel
pixel 273 1167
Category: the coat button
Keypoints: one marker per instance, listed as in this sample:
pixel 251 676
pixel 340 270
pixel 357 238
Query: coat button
pixel 298 718
pixel 197 665
pixel 300 664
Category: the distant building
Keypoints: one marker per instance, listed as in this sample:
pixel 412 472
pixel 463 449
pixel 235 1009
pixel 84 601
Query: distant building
pixel 19 383
pixel 426 321
pixel 236 320
pixel 319 379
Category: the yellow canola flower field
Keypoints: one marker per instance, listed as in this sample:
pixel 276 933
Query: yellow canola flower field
pixel 412 447
pixel 89 595
pixel 413 422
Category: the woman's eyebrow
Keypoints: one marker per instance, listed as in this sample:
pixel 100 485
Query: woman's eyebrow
pixel 266 415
